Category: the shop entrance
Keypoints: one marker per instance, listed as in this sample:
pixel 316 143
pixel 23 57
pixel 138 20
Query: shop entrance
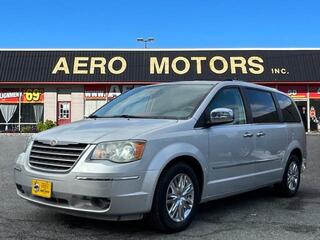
pixel 302 106
pixel 64 112
pixel 314 114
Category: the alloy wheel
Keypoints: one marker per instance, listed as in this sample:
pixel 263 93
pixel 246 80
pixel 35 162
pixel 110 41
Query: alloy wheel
pixel 180 197
pixel 293 176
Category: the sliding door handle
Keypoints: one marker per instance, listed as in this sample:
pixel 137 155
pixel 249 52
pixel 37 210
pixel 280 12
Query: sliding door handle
pixel 248 135
pixel 260 134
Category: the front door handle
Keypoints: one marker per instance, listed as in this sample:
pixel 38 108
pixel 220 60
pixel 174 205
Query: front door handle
pixel 260 134
pixel 247 135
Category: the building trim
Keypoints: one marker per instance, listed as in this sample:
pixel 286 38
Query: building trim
pixel 154 49
pixel 137 83
pixel 79 83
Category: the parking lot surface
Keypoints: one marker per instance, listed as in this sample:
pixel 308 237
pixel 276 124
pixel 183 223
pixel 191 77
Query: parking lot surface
pixel 255 215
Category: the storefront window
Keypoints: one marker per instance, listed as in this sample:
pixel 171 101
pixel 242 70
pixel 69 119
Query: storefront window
pixel 314 115
pixel 9 116
pixel 93 105
pixel 314 111
pixel 20 107
pixel 31 113
pixel 95 97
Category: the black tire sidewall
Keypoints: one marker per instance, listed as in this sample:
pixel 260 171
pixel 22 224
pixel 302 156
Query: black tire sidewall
pixel 168 224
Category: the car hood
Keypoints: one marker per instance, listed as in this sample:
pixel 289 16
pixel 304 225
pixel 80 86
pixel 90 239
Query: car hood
pixel 107 129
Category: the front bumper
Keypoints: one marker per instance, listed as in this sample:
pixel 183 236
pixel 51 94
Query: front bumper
pixel 101 195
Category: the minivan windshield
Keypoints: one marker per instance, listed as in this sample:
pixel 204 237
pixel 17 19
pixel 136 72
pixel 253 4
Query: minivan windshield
pixel 172 101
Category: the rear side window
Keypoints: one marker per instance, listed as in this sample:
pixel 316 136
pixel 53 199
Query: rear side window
pixel 262 107
pixel 289 111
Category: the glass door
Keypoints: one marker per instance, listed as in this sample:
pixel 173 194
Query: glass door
pixel 302 106
pixel 64 112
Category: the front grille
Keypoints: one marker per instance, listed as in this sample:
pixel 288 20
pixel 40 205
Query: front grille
pixel 58 158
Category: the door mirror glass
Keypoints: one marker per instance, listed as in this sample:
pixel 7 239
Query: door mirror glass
pixel 221 115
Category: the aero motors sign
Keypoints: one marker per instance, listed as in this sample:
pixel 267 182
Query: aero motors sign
pixel 164 65
pixel 155 66
pixel 13 95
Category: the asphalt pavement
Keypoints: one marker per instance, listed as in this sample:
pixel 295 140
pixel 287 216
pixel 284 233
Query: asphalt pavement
pixel 255 215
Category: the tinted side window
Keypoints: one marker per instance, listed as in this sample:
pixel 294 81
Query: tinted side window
pixel 230 98
pixel 262 106
pixel 289 111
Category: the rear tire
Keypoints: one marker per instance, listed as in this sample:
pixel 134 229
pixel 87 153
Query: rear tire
pixel 290 183
pixel 176 199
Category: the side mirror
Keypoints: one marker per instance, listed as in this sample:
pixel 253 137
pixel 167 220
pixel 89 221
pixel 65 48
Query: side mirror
pixel 221 115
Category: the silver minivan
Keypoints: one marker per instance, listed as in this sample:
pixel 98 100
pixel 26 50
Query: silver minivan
pixel 159 151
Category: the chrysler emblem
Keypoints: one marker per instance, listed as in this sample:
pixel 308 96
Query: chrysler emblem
pixel 53 142
pixel 36 187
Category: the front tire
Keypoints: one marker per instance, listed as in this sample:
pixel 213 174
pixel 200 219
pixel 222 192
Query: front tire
pixel 176 199
pixel 291 178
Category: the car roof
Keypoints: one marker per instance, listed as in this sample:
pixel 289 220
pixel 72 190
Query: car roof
pixel 192 82
pixel 223 83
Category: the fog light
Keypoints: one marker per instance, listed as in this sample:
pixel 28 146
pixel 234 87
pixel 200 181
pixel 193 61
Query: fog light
pixel 19 187
pixel 102 203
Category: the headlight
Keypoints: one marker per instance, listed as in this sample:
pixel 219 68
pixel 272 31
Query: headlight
pixel 119 151
pixel 29 141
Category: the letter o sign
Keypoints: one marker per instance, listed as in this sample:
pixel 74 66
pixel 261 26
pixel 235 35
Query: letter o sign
pixel 186 65
pixel 121 69
pixel 213 66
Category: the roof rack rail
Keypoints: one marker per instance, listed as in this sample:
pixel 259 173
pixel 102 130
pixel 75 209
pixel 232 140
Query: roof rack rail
pixel 228 79
pixel 231 79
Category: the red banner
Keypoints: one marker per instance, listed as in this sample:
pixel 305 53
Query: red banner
pixel 294 91
pixel 28 95
pixel 270 85
pixel 314 92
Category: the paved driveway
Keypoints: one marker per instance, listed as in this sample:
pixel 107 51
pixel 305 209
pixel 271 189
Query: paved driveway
pixel 255 215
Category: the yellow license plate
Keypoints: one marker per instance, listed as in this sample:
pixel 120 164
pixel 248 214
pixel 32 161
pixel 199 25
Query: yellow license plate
pixel 41 188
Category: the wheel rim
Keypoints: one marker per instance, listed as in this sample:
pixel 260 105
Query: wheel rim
pixel 180 197
pixel 293 176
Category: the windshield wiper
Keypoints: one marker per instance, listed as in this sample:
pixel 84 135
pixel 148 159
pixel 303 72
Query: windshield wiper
pixel 116 116
pixel 127 116
pixel 93 116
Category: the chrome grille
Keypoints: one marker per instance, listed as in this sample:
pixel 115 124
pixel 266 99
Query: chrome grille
pixel 58 158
